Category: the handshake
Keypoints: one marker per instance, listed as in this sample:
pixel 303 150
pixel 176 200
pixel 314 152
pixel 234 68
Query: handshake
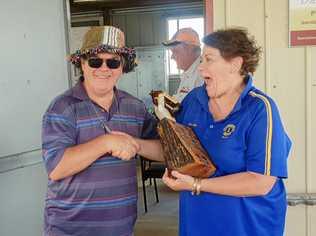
pixel 124 146
pixel 121 145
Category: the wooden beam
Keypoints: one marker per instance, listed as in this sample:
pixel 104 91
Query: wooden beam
pixel 106 16
pixel 208 16
pixel 98 6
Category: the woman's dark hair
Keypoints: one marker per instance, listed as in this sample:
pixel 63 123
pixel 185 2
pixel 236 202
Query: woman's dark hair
pixel 236 42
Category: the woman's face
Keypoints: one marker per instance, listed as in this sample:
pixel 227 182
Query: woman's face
pixel 219 74
pixel 103 79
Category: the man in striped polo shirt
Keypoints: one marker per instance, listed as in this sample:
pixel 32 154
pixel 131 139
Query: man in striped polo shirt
pixel 88 147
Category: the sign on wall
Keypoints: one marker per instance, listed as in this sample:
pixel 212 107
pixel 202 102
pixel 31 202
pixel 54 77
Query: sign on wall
pixel 302 22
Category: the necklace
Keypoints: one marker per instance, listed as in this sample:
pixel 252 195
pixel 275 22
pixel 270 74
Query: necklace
pixel 101 119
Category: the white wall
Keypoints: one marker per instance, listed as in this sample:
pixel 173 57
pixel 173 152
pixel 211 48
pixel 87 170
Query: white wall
pixel 22 201
pixel 33 70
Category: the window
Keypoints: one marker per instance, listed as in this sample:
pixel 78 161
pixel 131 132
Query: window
pixel 174 24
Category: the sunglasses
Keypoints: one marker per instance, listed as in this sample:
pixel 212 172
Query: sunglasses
pixel 111 63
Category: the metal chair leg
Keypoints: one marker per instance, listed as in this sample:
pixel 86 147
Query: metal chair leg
pixel 142 166
pixel 144 195
pixel 149 172
pixel 156 190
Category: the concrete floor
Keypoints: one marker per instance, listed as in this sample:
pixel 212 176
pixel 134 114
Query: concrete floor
pixel 161 218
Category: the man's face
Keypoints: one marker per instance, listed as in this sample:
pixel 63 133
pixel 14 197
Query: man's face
pixel 182 56
pixel 103 79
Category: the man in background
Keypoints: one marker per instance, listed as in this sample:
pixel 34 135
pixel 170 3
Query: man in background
pixel 186 51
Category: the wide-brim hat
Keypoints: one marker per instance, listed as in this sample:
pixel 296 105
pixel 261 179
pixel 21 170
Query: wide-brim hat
pixel 105 39
pixel 184 35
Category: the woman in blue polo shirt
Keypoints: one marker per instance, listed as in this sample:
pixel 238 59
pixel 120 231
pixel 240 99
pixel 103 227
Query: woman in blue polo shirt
pixel 241 129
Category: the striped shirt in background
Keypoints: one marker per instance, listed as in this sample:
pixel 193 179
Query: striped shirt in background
pixel 102 199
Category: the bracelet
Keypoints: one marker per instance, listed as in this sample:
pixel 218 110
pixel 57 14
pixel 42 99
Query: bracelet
pixel 198 186
pixel 193 192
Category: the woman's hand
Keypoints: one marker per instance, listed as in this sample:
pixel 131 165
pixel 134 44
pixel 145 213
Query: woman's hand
pixel 178 181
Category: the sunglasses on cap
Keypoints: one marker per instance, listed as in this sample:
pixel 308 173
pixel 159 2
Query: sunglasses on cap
pixel 111 63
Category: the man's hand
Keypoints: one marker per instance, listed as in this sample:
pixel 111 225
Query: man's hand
pixel 121 145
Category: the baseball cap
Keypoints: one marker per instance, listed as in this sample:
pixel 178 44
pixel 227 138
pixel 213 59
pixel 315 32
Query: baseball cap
pixel 184 35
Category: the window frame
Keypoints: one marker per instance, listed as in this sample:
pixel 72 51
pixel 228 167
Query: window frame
pixel 168 53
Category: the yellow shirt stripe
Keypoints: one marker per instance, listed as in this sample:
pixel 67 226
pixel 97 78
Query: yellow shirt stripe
pixel 269 131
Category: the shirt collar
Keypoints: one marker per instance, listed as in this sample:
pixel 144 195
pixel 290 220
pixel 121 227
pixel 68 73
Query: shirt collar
pixel 203 97
pixel 79 92
pixel 244 93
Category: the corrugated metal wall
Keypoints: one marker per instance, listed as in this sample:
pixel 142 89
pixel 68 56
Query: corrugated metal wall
pixel 289 76
pixel 143 27
pixel 148 28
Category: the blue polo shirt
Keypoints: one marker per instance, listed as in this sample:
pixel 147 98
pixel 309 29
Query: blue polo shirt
pixel 250 138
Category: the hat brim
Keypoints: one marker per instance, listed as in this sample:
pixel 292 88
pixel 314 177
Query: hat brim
pixel 171 43
pixel 129 55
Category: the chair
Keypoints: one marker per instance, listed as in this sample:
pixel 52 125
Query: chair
pixel 150 170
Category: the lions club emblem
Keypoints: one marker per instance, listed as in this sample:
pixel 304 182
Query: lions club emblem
pixel 228 130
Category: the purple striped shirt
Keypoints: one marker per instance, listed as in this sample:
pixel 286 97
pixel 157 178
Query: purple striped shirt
pixel 102 199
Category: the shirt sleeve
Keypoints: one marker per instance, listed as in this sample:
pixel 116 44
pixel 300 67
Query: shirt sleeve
pixel 267 143
pixel 58 133
pixel 183 107
pixel 149 130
